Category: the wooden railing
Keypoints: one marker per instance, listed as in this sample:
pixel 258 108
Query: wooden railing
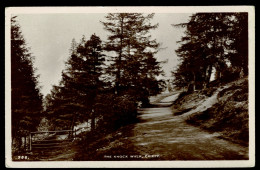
pixel 51 139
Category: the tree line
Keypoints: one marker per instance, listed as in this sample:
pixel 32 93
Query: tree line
pixel 102 81
pixel 106 88
pixel 26 99
pixel 212 41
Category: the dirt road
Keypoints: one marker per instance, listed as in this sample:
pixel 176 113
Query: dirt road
pixel 160 135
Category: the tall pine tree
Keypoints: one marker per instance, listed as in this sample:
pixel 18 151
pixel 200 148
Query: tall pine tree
pixel 26 99
pixel 210 43
pixel 75 99
pixel 239 37
pixel 133 65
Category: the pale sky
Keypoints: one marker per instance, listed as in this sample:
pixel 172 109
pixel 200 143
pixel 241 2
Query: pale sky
pixel 49 36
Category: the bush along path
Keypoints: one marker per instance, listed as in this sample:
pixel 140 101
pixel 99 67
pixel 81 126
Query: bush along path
pixel 161 135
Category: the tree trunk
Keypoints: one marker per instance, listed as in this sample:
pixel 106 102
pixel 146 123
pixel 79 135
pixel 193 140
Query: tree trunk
pixel 25 143
pixel 194 81
pixel 118 76
pixel 209 74
pixel 217 74
pixel 72 125
pixel 93 120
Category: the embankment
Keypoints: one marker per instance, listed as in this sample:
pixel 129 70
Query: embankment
pixel 222 110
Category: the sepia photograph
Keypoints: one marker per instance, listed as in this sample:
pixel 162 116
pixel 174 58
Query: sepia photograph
pixel 130 86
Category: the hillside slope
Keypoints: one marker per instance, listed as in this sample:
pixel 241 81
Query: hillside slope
pixel 222 110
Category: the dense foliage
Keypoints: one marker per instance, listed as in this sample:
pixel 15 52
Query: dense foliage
pixel 26 103
pixel 103 88
pixel 212 41
pixel 77 96
pixel 104 82
pixel 134 66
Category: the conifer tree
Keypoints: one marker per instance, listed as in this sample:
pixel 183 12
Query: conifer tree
pixel 134 65
pixel 239 36
pixel 75 97
pixel 26 99
pixel 210 41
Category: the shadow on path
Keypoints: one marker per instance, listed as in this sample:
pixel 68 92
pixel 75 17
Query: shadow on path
pixel 161 136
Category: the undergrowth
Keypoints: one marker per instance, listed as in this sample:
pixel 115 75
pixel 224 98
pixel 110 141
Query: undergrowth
pixel 229 116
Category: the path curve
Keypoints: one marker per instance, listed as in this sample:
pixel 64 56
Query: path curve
pixel 159 135
pixel 171 138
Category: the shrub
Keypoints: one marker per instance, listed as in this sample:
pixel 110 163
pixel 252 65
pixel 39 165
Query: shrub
pixel 125 110
pixel 117 111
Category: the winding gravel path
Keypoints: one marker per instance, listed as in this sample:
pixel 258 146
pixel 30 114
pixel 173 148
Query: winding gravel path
pixel 169 137
pixel 159 135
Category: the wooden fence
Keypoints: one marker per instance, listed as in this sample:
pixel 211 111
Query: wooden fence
pixel 50 139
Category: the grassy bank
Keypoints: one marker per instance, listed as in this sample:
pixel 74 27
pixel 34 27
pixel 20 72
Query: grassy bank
pixel 99 146
pixel 228 116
